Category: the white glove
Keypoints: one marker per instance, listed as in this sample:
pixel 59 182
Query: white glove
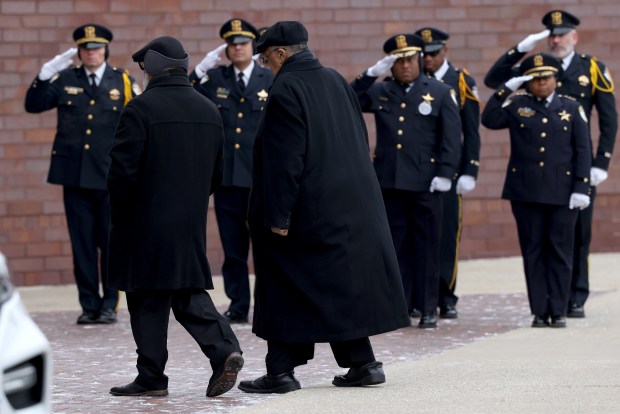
pixel 578 200
pixel 465 184
pixel 440 184
pixel 382 67
pixel 57 64
pixel 529 42
pixel 210 60
pixel 597 176
pixel 514 83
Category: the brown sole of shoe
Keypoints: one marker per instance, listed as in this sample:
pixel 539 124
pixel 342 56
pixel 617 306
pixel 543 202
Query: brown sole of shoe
pixel 228 379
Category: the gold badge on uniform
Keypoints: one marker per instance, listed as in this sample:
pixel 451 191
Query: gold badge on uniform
pixel 115 94
pixel 526 112
pixel 425 107
pixel 564 116
pixel 262 95
pixel 583 80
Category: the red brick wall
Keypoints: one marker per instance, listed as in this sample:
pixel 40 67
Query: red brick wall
pixel 345 34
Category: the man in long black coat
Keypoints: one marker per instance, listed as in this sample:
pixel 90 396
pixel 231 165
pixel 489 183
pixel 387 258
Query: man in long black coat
pixel 166 161
pixel 326 270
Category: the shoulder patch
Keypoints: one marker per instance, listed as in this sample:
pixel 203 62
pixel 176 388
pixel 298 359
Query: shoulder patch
pixel 582 113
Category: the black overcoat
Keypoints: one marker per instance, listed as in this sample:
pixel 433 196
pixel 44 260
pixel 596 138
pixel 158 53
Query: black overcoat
pixel 335 276
pixel 166 161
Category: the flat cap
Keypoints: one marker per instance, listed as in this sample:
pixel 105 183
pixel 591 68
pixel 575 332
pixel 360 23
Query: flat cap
pixel 434 39
pixel 282 33
pixel 560 22
pixel 92 36
pixel 403 45
pixel 162 53
pixel 540 65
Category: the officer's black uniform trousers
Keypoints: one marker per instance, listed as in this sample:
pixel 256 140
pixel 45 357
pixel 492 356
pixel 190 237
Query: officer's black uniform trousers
pixel 415 223
pixel 546 237
pixel 149 312
pixel 284 357
pixel 449 250
pixel 88 220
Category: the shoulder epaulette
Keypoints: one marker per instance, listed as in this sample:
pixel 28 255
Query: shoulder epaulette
pixel 567 97
pixel 600 81
pixel 465 91
pixel 522 92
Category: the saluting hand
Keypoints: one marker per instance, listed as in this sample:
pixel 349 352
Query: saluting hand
pixel 60 62
pixel 514 83
pixel 209 61
pixel 382 67
pixel 529 42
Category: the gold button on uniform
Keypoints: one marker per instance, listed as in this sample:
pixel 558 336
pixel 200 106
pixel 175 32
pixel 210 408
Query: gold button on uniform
pixel 401 118
pixel 240 115
pixel 541 164
pixel 543 134
pixel 559 84
pixel 522 126
pixel 90 116
pixel 432 159
pixel 399 146
pixel 86 147
pixel 92 102
pixel 545 120
pixel 403 105
pixel 541 149
pixel 237 146
pixel 399 132
pixel 88 132
pixel 238 130
pixel 242 100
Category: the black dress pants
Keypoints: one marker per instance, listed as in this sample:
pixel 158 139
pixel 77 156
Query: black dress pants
pixel 546 235
pixel 284 357
pixel 88 221
pixel 149 312
pixel 231 207
pixel 580 285
pixel 449 250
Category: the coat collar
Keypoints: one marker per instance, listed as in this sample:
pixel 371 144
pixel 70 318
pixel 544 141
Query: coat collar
pixel 301 61
pixel 170 78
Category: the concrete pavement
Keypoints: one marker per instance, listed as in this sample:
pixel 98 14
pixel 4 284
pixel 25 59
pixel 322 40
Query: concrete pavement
pixel 488 360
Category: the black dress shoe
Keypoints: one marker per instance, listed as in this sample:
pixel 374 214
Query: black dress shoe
pixel 415 313
pixel 448 312
pixel 234 317
pixel 369 374
pixel 267 384
pixel 540 322
pixel 107 316
pixel 135 390
pixel 576 311
pixel 428 321
pixel 558 322
pixel 225 376
pixel 87 318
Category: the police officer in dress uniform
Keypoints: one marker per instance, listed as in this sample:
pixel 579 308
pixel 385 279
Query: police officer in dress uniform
pixel 240 92
pixel 547 179
pixel 436 65
pixel 416 157
pixel 588 80
pixel 89 100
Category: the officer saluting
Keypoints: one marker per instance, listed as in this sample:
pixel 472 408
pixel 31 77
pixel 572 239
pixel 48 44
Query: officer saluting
pixel 437 65
pixel 417 154
pixel 240 92
pixel 89 100
pixel 588 80
pixel 546 179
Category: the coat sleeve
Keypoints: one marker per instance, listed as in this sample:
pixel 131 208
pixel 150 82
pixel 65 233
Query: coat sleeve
pixel 361 86
pixel 41 96
pixel 470 119
pixel 126 156
pixel 605 103
pixel 451 136
pixel 583 152
pixel 494 116
pixel 284 138
pixel 503 69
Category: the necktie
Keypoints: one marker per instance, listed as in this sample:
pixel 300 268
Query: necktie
pixel 240 82
pixel 93 83
pixel 404 87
